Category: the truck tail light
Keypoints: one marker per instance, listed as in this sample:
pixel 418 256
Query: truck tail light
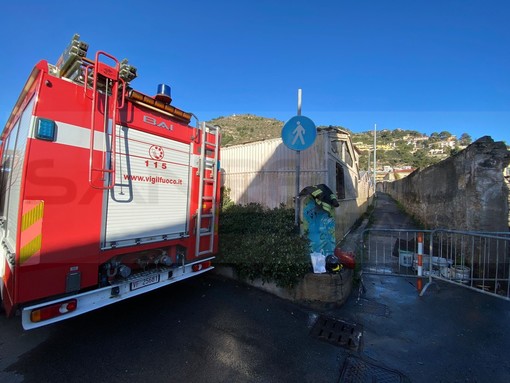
pixel 201 266
pixel 52 311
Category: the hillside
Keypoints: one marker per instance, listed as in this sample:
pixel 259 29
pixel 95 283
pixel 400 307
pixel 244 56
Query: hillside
pixel 395 148
pixel 240 129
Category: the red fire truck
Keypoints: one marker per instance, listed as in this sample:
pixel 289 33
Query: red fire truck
pixel 106 193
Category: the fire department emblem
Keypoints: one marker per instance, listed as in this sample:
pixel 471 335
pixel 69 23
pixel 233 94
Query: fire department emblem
pixel 156 152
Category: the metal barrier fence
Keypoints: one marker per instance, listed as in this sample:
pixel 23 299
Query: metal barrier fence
pixel 479 261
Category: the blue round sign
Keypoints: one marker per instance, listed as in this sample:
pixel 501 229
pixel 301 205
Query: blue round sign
pixel 299 133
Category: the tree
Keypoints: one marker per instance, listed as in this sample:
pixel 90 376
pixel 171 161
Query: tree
pixel 465 139
pixel 384 136
pixel 444 135
pixel 454 151
pixel 421 159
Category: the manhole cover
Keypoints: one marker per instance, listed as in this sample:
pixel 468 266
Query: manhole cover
pixel 338 332
pixel 356 370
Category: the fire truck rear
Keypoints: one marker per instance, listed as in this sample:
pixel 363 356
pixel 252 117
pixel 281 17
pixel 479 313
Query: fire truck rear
pixel 106 193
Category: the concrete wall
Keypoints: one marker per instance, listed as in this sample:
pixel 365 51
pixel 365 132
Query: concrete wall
pixel 464 192
pixel 315 290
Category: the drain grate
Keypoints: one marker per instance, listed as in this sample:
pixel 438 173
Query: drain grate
pixel 338 332
pixel 356 370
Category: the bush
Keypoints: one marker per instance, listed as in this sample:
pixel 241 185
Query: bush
pixel 263 243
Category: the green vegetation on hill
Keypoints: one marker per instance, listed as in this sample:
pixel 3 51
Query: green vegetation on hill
pixel 240 129
pixel 395 148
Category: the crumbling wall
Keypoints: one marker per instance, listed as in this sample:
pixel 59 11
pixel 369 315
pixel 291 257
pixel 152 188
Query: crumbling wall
pixel 466 191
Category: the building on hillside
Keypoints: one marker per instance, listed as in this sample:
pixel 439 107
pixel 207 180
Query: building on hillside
pixel 265 172
pixel 414 141
pixel 436 152
pixel 398 174
pixel 450 143
pixel 362 146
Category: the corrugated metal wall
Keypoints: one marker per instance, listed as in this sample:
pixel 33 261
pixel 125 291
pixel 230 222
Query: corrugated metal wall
pixel 265 171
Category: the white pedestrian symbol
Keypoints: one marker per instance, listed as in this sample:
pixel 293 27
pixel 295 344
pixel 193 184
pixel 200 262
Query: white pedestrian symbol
pixel 298 133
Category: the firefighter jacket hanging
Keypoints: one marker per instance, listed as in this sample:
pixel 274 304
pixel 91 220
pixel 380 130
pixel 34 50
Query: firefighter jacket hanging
pixel 318 218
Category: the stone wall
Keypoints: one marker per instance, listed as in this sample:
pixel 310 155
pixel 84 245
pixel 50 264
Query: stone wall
pixel 315 290
pixel 466 191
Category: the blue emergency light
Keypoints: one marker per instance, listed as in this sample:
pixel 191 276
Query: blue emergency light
pixel 164 94
pixel 45 129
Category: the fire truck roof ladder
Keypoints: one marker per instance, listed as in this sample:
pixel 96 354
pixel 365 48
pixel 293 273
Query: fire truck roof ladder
pixel 208 173
pixel 106 81
pixel 71 60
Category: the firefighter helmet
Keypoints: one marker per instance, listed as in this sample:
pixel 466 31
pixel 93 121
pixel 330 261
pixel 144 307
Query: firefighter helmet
pixel 323 197
pixel 332 264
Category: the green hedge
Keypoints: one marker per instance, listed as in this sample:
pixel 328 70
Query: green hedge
pixel 263 243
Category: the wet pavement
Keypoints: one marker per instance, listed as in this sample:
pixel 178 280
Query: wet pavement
pixel 450 334
pixel 212 329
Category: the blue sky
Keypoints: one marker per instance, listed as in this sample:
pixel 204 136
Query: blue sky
pixel 424 65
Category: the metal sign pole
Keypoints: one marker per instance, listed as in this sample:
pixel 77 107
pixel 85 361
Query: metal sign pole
pixel 298 168
pixel 298 134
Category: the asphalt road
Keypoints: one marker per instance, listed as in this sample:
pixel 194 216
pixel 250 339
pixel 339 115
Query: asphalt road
pixel 211 329
pixel 206 329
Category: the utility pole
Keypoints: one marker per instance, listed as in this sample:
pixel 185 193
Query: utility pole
pixel 375 155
